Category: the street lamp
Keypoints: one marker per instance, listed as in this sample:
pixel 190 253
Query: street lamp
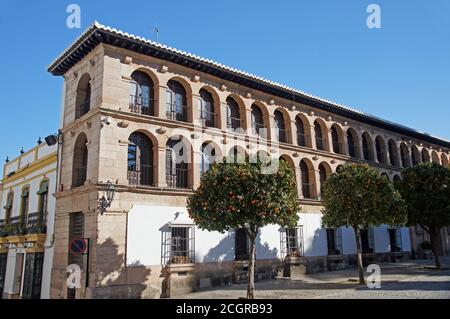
pixel 105 202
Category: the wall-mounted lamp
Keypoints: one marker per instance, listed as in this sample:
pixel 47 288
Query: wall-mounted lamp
pixel 105 201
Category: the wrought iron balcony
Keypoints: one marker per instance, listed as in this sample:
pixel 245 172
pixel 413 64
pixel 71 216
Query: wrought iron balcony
pixel 141 105
pixel 176 112
pixel 208 119
pixel 281 135
pixel 259 129
pixel 179 179
pixel 301 139
pixel 142 176
pixel 233 123
pixel 33 223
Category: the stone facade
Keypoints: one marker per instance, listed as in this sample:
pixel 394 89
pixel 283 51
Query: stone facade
pixel 105 131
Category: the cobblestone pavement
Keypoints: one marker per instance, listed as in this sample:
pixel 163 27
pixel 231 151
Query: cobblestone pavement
pixel 412 280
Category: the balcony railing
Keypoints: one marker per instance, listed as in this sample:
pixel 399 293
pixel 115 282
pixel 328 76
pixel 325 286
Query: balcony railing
pixel 259 129
pixel 207 119
pixel 301 139
pixel 320 143
pixel 281 135
pixel 179 179
pixel 37 223
pixel 141 105
pixel 176 112
pixel 142 176
pixel 338 147
pixel 233 123
pixel 80 176
pixel 307 191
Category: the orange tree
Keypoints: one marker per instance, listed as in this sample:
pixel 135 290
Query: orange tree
pixel 426 191
pixel 248 196
pixel 360 197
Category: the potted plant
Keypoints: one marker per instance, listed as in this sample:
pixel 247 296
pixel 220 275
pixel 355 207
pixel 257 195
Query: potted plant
pixel 181 260
pixel 426 247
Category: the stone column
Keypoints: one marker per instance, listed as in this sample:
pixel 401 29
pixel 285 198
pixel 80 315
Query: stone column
pixel 161 175
pixel 222 116
pixel 312 136
pixel 298 178
pixel 328 141
pixel 316 184
pixel 194 169
pixel 160 104
pixel 195 109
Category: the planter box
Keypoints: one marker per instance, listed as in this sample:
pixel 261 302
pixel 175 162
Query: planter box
pixel 179 280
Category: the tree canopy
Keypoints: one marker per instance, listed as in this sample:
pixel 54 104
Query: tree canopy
pixel 233 195
pixel 359 196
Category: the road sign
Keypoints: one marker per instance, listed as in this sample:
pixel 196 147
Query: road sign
pixel 78 246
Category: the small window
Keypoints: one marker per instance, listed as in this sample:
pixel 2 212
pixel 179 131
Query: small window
pixel 241 245
pixel 291 242
pixel 367 241
pixel 334 241
pixel 395 239
pixel 178 245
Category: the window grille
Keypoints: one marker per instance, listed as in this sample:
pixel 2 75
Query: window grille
pixel 178 245
pixel 291 240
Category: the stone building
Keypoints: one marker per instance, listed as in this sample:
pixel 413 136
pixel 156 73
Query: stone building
pixel 133 108
pixel 27 214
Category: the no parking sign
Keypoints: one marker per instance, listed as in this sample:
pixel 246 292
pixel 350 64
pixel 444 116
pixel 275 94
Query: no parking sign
pixel 78 246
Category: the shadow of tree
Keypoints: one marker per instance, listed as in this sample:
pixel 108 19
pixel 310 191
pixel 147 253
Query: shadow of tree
pixel 116 280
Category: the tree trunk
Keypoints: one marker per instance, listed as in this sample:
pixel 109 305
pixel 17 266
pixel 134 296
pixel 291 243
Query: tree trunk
pixel 251 268
pixel 359 255
pixel 434 238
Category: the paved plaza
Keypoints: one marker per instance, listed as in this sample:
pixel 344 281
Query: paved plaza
pixel 412 280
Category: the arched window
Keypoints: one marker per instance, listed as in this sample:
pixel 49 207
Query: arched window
pixel 323 174
pixel 24 205
pixel 83 99
pixel 208 157
pixel 258 127
pixel 176 108
pixel 140 160
pixel 392 153
pixel 405 155
pixel 339 168
pixel 367 152
pixel 177 159
pixel 337 145
pixel 397 179
pixel 435 157
pixel 280 127
pixel 307 185
pixel 301 135
pixel 415 155
pixel 425 156
pixel 9 206
pixel 141 94
pixel 206 109
pixel 380 148
pixel 320 142
pixel 444 160
pixel 237 155
pixel 233 114
pixel 80 161
pixel 351 143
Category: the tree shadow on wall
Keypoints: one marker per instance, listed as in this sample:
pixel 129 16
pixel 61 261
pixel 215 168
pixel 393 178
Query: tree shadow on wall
pixel 225 250
pixel 114 279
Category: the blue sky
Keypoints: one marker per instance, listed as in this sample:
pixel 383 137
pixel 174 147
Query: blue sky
pixel 400 72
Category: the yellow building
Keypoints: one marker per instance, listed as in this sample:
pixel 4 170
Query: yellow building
pixel 26 223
